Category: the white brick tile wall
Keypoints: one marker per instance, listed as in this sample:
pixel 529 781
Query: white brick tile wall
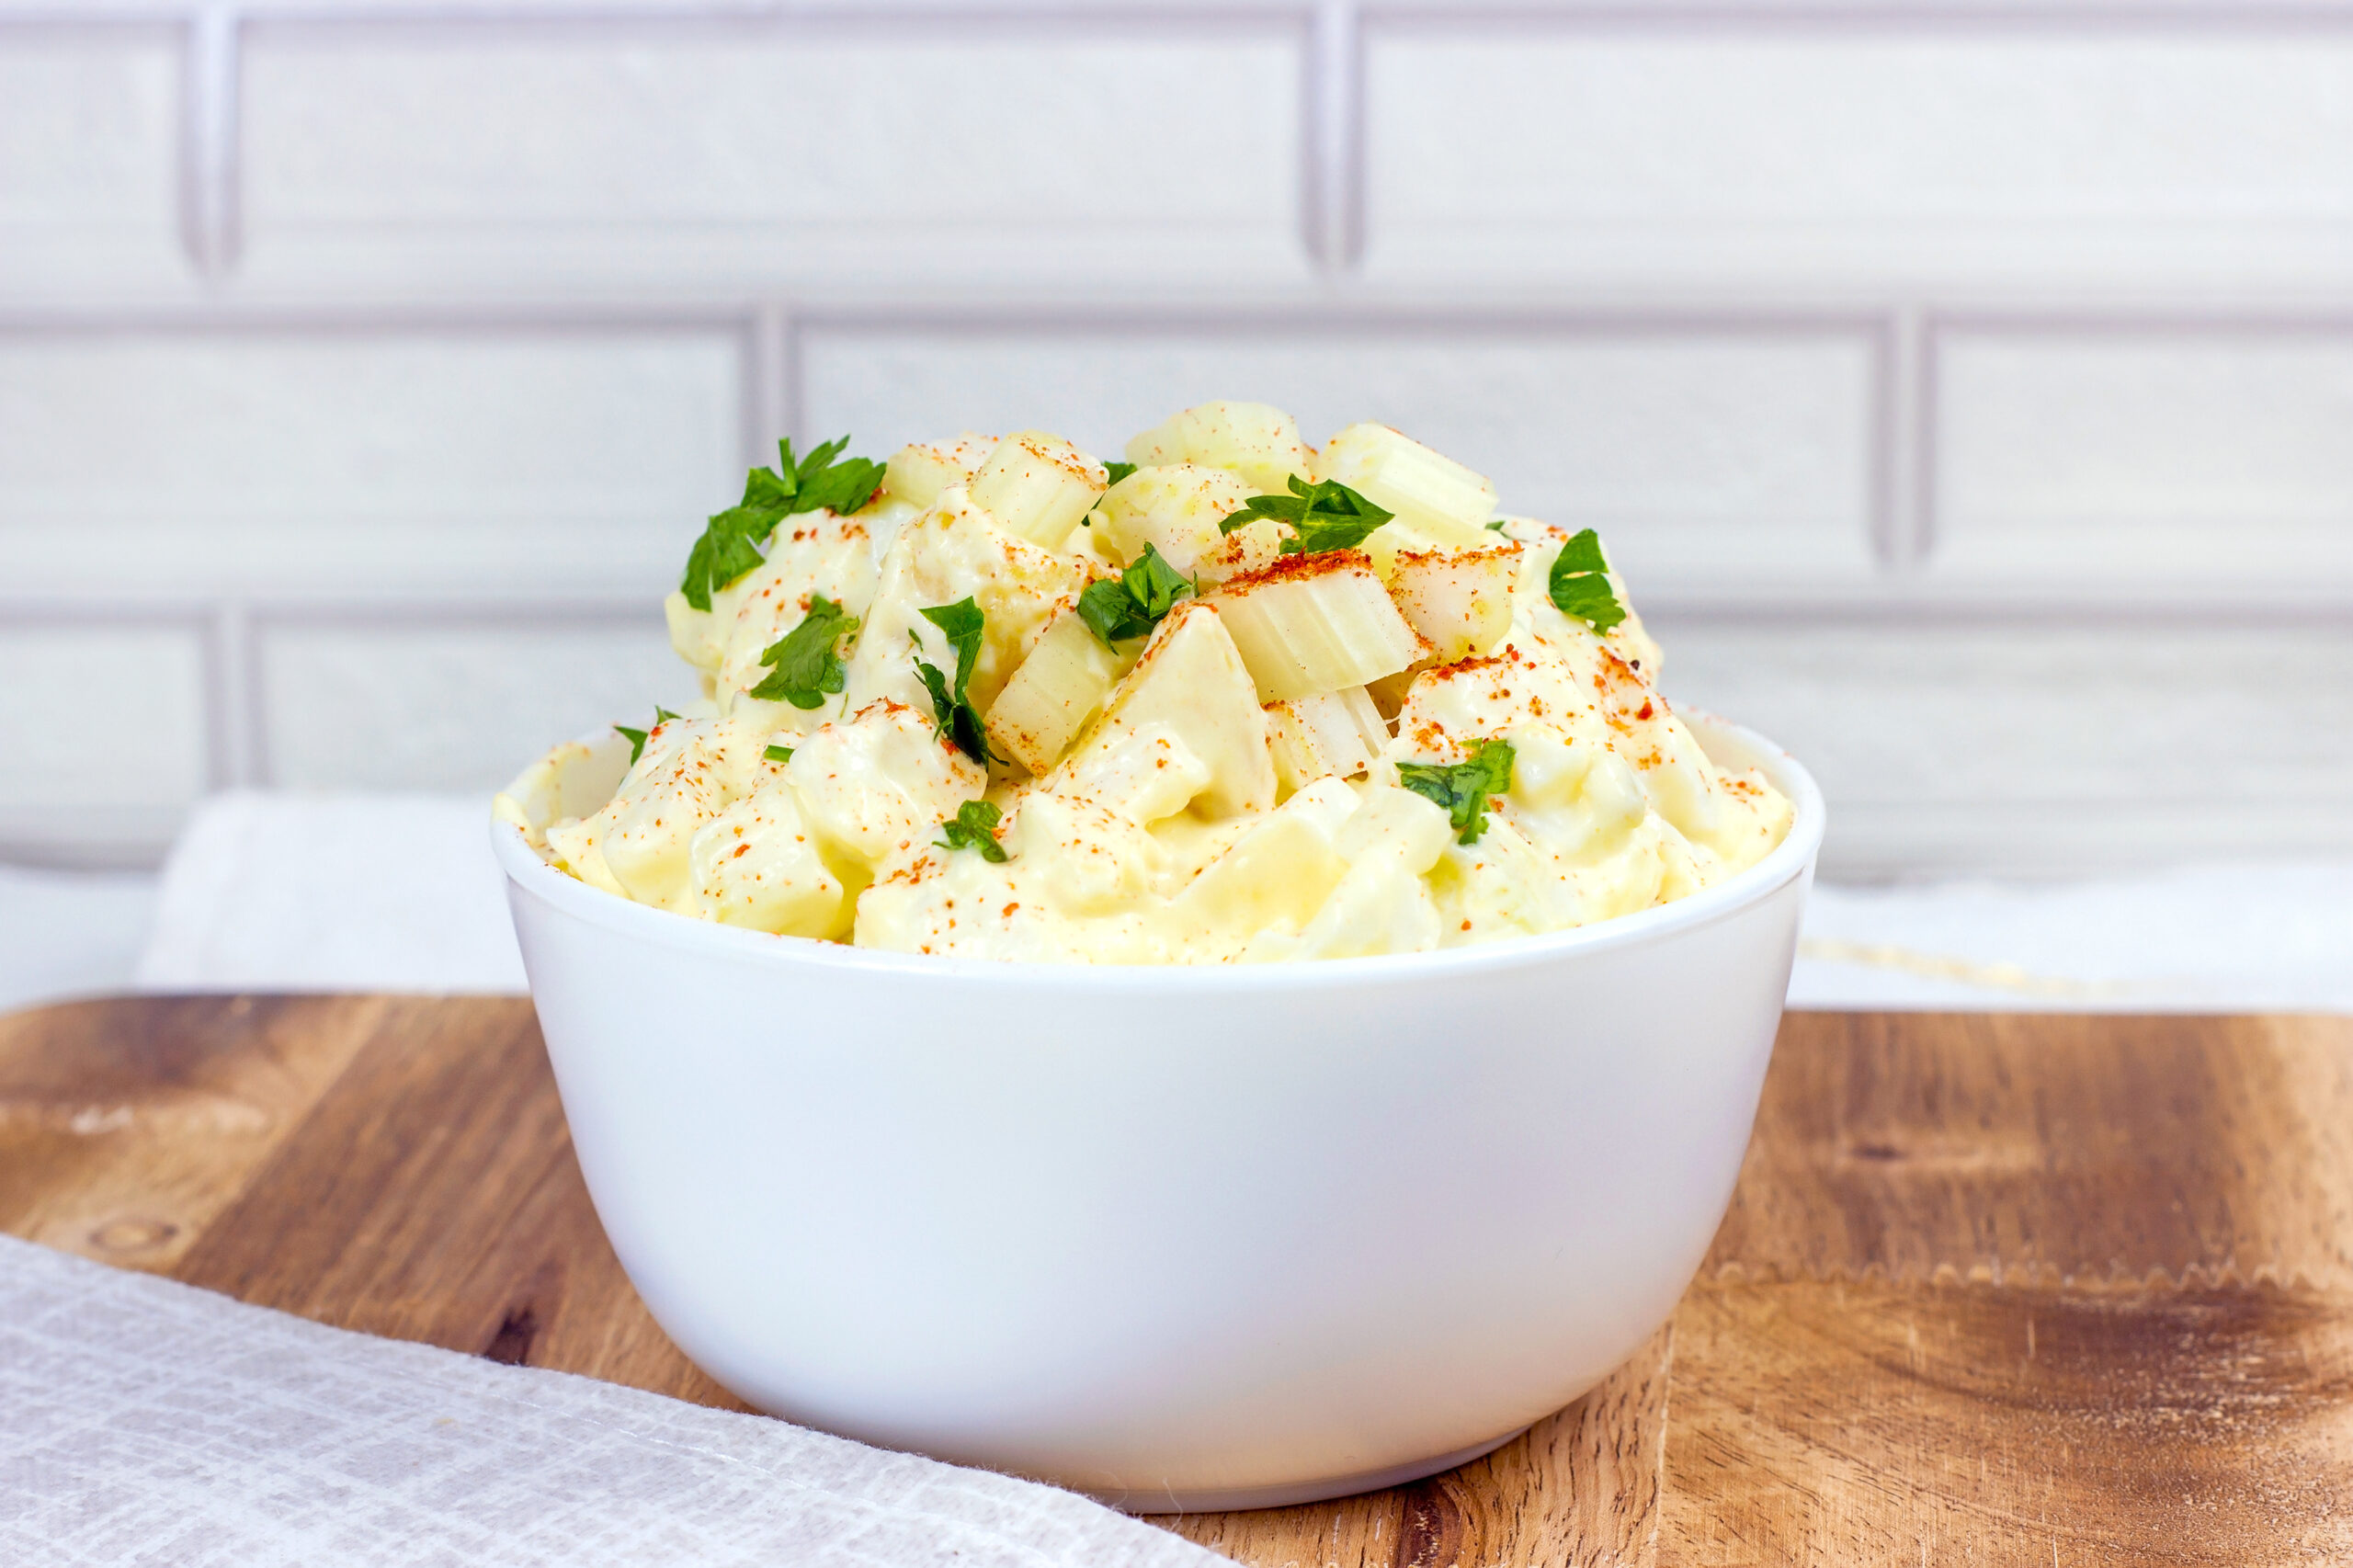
pixel 932 149
pixel 466 460
pixel 1704 454
pixel 107 729
pixel 2186 459
pixel 1960 151
pixel 447 703
pixel 88 158
pixel 418 336
pixel 2043 748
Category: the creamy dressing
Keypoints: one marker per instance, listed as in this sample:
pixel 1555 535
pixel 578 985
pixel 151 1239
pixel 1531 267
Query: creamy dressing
pixel 1164 830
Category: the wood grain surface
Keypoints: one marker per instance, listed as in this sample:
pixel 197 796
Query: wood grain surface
pixel 2030 1289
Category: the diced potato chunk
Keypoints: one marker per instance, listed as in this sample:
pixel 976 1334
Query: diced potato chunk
pixel 1335 734
pixel 1055 694
pixel 755 865
pixel 1175 510
pixel 571 782
pixel 1192 680
pixel 1278 875
pixel 954 551
pixel 1459 600
pixel 1382 906
pixel 1254 546
pixel 1315 623
pixel 1256 440
pixel 919 470
pixel 1038 486
pixel 696 635
pixel 1437 501
pixel 811 553
pixel 873 786
pixel 1541 543
pixel 687 773
pixel 1142 773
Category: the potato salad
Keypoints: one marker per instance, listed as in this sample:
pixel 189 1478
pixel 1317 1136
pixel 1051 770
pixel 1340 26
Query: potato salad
pixel 1232 698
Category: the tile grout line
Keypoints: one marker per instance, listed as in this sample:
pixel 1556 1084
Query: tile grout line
pixel 224 731
pixel 792 373
pixel 209 132
pixel 763 415
pixel 1314 199
pixel 1901 439
pixel 251 697
pixel 1570 313
pixel 1925 334
pixel 1885 446
pixel 1333 116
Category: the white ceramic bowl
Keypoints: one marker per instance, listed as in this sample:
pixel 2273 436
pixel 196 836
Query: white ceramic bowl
pixel 1181 1238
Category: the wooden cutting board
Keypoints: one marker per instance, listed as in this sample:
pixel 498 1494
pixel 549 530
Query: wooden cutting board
pixel 2030 1289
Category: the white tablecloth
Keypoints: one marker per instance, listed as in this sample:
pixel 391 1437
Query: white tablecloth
pixel 145 1421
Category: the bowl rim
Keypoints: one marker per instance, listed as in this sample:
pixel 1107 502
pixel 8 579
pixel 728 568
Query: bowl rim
pixel 1792 859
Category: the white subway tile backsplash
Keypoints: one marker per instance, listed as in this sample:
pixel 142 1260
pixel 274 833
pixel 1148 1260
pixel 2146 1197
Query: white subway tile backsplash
pixel 355 703
pixel 146 684
pixel 869 151
pixel 106 737
pixel 1754 152
pixel 484 336
pixel 453 458
pixel 2186 459
pixel 88 159
pixel 2042 749
pixel 1705 454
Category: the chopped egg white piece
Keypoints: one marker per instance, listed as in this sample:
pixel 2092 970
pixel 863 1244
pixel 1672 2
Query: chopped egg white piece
pixel 1329 753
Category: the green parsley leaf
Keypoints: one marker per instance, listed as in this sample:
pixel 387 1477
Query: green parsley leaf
pixel 1326 516
pixel 973 827
pixel 824 484
pixel 1497 527
pixel 805 666
pixel 728 549
pixel 962 624
pixel 729 545
pixel 1130 604
pixel 951 705
pixel 1580 583
pixel 1117 472
pixel 778 753
pixel 1462 788
pixel 636 738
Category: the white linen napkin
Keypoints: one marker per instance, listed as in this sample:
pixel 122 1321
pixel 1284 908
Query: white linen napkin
pixel 143 1421
pixel 2244 936
pixel 287 891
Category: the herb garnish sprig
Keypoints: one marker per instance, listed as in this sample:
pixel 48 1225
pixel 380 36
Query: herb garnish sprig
pixel 973 827
pixel 729 545
pixel 636 738
pixel 1321 517
pixel 1128 606
pixel 806 666
pixel 1580 582
pixel 952 703
pixel 1461 789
